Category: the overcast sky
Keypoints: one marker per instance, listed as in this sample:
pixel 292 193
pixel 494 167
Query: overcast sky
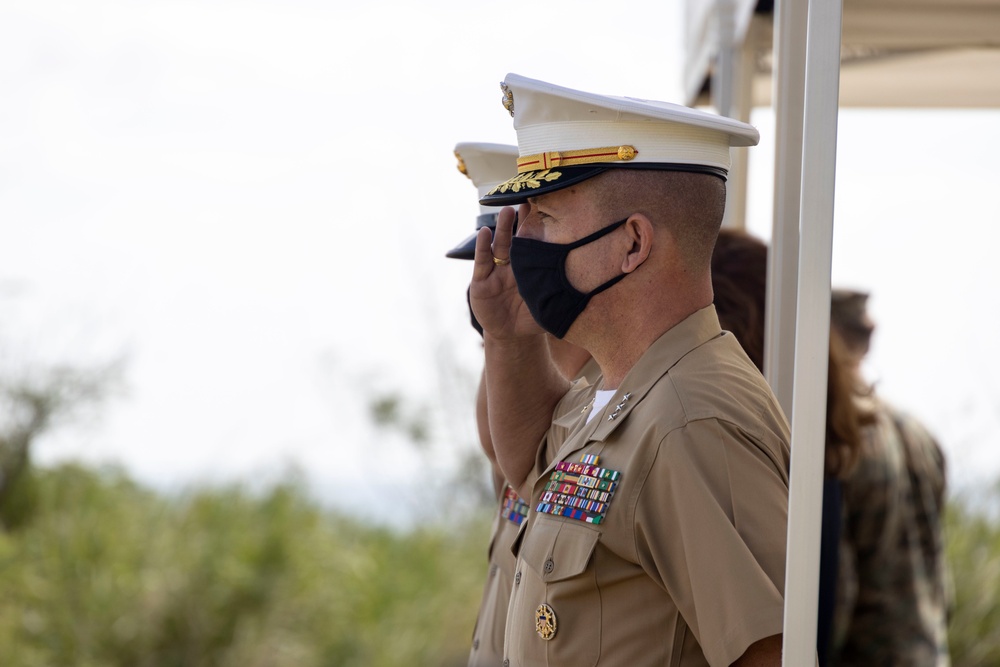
pixel 250 202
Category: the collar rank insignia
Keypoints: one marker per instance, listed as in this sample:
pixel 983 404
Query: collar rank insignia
pixel 513 509
pixel 580 491
pixel 619 407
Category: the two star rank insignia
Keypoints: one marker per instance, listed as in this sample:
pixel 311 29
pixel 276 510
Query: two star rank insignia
pixel 580 491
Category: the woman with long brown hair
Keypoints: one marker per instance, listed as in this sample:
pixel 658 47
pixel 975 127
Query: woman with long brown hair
pixel 882 599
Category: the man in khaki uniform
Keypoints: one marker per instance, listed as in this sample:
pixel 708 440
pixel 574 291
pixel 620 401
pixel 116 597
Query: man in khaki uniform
pixel 658 496
pixel 487 165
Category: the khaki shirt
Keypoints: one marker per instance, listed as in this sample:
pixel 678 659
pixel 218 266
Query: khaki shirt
pixel 487 638
pixel 675 555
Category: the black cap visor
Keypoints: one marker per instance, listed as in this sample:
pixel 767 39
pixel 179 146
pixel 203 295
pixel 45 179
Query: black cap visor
pixel 543 181
pixel 464 250
pixel 467 248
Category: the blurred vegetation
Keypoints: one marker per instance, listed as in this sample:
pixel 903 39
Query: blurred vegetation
pixel 98 571
pixel 973 545
pixel 110 574
pixel 31 404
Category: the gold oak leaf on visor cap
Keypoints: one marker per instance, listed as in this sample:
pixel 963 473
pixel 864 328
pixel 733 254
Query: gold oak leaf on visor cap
pixel 565 136
pixel 486 165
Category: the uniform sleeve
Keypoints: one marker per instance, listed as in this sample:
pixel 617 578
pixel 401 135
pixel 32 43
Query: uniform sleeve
pixel 927 471
pixel 711 527
pixel 874 501
pixel 871 542
pixel 889 620
pixel 925 462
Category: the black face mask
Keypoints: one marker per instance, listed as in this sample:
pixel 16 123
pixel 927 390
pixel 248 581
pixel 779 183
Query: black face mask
pixel 540 272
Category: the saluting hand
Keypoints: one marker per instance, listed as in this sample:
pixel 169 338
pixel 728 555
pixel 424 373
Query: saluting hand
pixel 493 292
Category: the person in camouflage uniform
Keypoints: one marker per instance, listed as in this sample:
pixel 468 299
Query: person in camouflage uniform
pixel 892 598
pixel 888 599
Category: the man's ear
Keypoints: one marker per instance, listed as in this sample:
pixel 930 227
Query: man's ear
pixel 640 232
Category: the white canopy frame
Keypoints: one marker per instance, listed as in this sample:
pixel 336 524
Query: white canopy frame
pixel 821 44
pixel 806 89
pixel 896 53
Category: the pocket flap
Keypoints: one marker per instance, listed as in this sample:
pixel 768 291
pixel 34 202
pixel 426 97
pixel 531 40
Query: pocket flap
pixel 558 550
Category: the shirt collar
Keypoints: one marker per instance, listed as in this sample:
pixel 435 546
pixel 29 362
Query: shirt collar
pixel 697 329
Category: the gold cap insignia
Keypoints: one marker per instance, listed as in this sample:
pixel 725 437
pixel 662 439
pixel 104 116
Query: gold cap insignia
pixel 508 98
pixel 461 164
pixel 626 153
pixel 545 622
pixel 531 180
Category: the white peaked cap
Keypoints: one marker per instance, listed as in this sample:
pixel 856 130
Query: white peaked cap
pixel 486 165
pixel 565 136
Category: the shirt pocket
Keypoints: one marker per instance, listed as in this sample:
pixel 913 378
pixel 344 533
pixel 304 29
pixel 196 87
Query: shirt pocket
pixel 557 561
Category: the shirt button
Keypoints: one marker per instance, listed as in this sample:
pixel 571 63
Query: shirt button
pixel 493 570
pixel 475 644
pixel 517 578
pixel 506 662
pixel 549 565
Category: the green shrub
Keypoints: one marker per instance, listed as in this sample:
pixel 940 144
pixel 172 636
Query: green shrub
pixel 110 574
pixel 973 547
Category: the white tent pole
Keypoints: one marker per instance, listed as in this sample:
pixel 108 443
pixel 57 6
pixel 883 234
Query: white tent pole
pixel 812 333
pixel 722 82
pixel 731 95
pixel 788 88
pixel 742 103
